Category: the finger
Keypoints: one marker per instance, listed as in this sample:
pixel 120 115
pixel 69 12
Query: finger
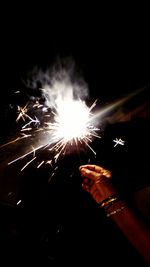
pixel 90 174
pixel 92 167
pixel 97 169
pixel 106 173
pixel 86 187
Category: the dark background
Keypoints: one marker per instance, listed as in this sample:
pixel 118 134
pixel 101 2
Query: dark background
pixel 58 222
pixel 110 47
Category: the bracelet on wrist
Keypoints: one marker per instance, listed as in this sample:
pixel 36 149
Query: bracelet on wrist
pixel 115 211
pixel 106 203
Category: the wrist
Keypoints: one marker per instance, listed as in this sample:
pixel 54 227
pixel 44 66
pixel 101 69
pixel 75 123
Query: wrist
pixel 106 192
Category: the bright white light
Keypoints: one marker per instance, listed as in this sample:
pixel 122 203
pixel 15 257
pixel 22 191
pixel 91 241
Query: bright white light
pixel 72 120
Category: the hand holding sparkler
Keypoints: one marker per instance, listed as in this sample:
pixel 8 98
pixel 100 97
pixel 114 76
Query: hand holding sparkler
pixel 97 181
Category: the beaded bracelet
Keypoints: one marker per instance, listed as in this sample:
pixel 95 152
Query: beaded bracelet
pixel 115 211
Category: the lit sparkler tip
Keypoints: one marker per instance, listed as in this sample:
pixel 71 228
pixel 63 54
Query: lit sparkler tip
pixel 72 121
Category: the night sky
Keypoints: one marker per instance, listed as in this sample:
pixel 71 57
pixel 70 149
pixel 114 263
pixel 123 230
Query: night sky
pixel 111 51
pixel 112 55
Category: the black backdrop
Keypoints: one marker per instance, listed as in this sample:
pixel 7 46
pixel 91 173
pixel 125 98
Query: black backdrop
pixel 59 223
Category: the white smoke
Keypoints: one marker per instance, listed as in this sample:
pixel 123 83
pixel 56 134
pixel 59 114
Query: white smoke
pixel 62 81
pixel 63 88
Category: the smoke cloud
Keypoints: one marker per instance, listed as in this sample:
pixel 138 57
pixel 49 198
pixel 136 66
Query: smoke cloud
pixel 60 82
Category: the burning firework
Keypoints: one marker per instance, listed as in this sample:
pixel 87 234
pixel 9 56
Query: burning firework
pixel 61 123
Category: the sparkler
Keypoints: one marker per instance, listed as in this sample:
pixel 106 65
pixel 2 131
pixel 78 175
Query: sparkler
pixel 63 122
pixel 60 124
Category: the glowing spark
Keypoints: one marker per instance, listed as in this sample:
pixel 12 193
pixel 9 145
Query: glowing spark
pixel 26 129
pixel 90 148
pixel 19 202
pixel 22 113
pixel 118 142
pixel 40 164
pixel 51 177
pixel 16 140
pixel 49 162
pixel 27 164
pixel 24 155
pixel 35 121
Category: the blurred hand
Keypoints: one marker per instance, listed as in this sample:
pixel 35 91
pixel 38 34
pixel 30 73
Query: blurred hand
pixel 97 181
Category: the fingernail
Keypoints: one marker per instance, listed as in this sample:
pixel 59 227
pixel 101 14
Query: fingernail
pixel 81 167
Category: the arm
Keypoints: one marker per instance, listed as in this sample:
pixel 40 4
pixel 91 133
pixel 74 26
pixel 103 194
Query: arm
pixel 97 181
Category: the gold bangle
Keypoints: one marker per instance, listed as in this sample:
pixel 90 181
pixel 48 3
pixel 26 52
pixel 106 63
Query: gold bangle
pixel 115 211
pixel 108 201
